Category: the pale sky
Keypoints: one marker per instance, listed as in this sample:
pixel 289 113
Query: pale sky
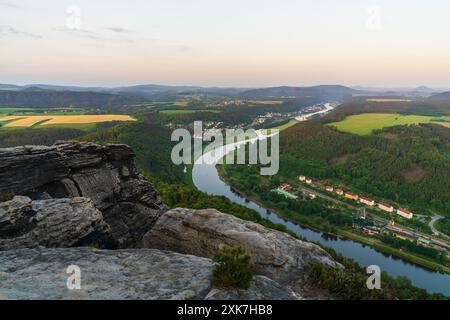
pixel 226 43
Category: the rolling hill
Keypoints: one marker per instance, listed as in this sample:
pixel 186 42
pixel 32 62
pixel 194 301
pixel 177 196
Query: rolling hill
pixel 325 92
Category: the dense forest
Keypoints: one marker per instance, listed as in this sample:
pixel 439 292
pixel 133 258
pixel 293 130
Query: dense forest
pixel 417 107
pixel 57 99
pixel 406 164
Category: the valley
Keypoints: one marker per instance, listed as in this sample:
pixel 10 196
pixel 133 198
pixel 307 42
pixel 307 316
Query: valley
pixel 306 125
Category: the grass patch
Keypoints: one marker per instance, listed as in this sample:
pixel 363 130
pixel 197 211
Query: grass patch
pixel 366 123
pixel 182 111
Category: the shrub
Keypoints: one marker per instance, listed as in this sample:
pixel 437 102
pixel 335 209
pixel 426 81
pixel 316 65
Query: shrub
pixel 6 196
pixel 233 268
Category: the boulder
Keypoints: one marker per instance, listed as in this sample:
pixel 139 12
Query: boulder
pixel 52 223
pixel 105 174
pixel 275 254
pixel 144 274
pixel 261 288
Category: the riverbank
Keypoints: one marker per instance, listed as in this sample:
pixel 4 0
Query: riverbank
pixel 371 242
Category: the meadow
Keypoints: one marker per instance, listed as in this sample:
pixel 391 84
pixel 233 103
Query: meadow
pixel 183 111
pixel 366 123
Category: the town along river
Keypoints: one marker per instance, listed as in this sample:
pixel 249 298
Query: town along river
pixel 206 179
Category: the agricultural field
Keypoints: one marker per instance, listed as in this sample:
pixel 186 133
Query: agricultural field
pixel 364 124
pixel 387 100
pixel 51 120
pixel 265 102
pixel 184 111
pixel 8 111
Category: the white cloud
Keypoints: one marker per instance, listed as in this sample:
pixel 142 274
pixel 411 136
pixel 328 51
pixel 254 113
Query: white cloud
pixel 11 31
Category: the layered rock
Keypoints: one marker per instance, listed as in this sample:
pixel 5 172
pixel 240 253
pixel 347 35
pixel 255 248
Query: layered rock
pixel 105 174
pixel 275 254
pixel 52 223
pixel 118 274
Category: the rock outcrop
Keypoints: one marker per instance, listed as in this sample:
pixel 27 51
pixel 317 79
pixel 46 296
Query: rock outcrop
pixel 118 274
pixel 52 223
pixel 203 232
pixel 105 174
pixel 261 288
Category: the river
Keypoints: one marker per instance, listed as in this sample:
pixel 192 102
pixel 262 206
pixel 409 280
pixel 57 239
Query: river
pixel 206 179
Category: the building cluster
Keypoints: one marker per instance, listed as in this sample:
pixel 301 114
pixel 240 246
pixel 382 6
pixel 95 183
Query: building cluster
pixel 364 200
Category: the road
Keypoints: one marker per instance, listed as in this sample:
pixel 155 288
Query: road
pixel 376 218
pixel 436 217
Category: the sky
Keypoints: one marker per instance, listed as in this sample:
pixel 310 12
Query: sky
pixel 242 43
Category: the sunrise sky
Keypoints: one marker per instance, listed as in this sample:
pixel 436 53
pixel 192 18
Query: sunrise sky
pixel 226 43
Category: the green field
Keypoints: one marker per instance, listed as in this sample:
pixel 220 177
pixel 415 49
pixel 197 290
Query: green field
pixel 7 111
pixel 363 124
pixel 291 123
pixel 183 111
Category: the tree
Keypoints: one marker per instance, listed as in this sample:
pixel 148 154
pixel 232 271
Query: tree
pixel 233 268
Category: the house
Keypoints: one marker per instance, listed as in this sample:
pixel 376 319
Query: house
pixel 302 178
pixel 329 188
pixel 339 192
pixel 308 181
pixel 286 187
pixel 309 194
pixel 386 207
pixel 368 201
pixel 404 213
pixel 352 196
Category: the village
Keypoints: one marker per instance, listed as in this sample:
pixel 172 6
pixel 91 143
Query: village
pixel 371 225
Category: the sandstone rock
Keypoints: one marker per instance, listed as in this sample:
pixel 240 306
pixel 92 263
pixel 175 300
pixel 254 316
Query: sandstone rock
pixel 52 223
pixel 117 274
pixel 105 174
pixel 41 273
pixel 261 288
pixel 203 232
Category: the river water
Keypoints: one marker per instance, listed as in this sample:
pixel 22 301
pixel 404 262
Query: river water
pixel 206 179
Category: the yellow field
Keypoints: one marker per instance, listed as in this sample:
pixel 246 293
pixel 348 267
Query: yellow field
pixel 388 100
pixel 28 121
pixel 445 124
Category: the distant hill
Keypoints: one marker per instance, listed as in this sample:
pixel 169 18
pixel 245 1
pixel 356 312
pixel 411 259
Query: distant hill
pixel 161 92
pixel 148 91
pixel 440 96
pixel 40 98
pixel 326 92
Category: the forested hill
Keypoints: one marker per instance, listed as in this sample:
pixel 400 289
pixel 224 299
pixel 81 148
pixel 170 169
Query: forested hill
pixel 324 92
pixel 410 165
pixel 440 96
pixel 52 99
pixel 417 107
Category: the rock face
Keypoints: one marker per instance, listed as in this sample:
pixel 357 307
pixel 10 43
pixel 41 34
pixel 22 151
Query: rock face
pixel 118 274
pixel 203 232
pixel 105 174
pixel 52 223
pixel 261 288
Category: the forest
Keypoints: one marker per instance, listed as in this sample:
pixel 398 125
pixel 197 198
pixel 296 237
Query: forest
pixel 406 164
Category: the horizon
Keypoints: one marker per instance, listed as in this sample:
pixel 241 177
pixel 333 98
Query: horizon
pixel 356 87
pixel 254 44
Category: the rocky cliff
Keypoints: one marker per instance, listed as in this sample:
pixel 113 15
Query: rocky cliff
pixel 105 174
pixel 74 196
pixel 52 223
